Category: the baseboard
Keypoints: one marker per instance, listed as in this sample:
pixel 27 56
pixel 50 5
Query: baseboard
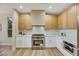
pixel 5 44
pixel 50 47
pixel 31 47
pixel 25 47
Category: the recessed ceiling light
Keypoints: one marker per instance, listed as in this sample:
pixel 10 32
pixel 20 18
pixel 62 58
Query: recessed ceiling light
pixel 50 6
pixel 20 6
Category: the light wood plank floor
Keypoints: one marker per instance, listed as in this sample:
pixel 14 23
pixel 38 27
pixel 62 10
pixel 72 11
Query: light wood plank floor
pixel 6 51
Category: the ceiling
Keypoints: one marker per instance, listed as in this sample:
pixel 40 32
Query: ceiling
pixel 27 7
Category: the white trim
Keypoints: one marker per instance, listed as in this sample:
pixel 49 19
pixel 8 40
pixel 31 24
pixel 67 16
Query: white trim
pixel 5 44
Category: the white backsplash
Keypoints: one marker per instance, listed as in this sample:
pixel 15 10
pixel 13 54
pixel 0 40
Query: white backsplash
pixel 27 32
pixel 38 30
pixel 41 31
pixel 51 32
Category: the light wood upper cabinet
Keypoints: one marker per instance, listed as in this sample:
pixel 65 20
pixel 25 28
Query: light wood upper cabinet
pixel 78 15
pixel 25 22
pixel 51 22
pixel 62 20
pixel 59 22
pixel 71 18
pixel 67 19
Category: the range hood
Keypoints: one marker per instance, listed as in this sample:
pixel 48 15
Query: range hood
pixel 38 17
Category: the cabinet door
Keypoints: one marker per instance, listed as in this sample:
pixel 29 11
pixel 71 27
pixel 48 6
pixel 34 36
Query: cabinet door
pixel 78 15
pixel 25 22
pixel 71 15
pixel 27 42
pixel 60 45
pixel 47 42
pixel 62 20
pixel 51 22
pixel 50 42
pixel 19 42
pixel 59 22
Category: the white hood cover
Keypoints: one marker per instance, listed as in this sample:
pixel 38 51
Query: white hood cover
pixel 38 17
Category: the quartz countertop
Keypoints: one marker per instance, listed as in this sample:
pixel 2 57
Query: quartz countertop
pixel 23 35
pixel 44 35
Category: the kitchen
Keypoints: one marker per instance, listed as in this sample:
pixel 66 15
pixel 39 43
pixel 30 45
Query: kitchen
pixel 41 29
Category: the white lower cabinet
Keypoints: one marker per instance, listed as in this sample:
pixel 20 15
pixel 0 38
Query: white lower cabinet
pixel 23 42
pixel 60 46
pixel 27 42
pixel 50 42
pixel 19 42
pixel 60 43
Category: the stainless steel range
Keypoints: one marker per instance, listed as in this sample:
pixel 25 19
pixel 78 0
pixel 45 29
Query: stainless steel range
pixel 38 41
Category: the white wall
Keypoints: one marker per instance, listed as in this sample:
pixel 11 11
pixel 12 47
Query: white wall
pixel 15 22
pixel 4 40
pixel 15 28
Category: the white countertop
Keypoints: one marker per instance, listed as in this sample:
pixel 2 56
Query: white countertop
pixel 23 35
pixel 44 35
